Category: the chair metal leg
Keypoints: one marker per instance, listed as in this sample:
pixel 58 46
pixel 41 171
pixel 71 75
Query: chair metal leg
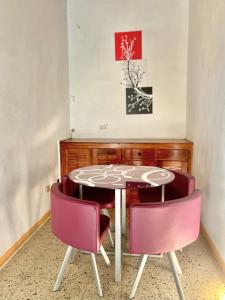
pixel 67 257
pixel 105 256
pixel 163 193
pixel 175 276
pixel 110 238
pixel 178 268
pixel 138 277
pixel 98 283
pixel 139 262
pixel 106 213
pixel 81 191
pixel 72 255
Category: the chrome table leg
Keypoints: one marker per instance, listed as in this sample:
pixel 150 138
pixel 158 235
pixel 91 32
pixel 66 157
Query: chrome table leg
pixel 124 211
pixel 117 235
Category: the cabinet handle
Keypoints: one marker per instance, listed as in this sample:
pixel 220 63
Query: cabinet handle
pixel 139 153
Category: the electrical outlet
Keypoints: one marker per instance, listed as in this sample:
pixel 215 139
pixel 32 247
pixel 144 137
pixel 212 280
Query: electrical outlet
pixel 103 126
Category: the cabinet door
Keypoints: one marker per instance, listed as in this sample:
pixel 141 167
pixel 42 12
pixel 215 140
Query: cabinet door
pixel 74 158
pixel 106 156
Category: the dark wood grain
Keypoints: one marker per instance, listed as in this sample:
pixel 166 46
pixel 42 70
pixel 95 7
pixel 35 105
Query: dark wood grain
pixel 168 153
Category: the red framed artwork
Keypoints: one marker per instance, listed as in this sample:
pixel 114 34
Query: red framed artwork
pixel 128 45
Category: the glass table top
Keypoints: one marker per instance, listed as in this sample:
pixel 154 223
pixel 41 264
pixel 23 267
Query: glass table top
pixel 121 176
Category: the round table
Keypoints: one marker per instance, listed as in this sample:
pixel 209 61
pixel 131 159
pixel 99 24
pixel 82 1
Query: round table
pixel 120 177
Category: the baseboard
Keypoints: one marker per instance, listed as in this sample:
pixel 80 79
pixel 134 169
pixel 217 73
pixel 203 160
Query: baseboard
pixel 19 243
pixel 213 248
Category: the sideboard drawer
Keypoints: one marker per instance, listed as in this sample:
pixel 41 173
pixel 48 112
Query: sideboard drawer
pixel 133 154
pixel 173 165
pixel 171 154
pixel 140 162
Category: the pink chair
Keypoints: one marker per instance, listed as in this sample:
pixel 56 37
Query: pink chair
pixel 105 197
pixel 181 186
pixel 80 225
pixel 167 227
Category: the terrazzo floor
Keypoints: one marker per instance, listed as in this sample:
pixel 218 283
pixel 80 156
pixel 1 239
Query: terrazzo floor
pixel 31 273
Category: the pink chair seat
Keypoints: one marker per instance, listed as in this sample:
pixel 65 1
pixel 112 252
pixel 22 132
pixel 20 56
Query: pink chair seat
pixel 181 186
pixel 105 197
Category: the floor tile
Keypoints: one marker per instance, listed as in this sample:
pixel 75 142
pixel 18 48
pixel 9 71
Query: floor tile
pixel 31 273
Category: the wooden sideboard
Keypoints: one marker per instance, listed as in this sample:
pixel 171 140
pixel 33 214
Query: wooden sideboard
pixel 165 153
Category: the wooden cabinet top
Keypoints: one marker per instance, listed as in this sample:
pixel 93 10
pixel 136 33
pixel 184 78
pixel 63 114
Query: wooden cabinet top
pixel 164 153
pixel 127 143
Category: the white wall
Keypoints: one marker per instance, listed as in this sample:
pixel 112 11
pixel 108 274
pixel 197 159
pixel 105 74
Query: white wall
pixel 95 76
pixel 34 109
pixel 206 111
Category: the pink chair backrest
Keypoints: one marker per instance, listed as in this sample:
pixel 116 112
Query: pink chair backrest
pixel 69 187
pixel 164 227
pixel 75 222
pixel 182 185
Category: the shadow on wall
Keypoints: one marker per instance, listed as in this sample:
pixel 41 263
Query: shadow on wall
pixel 29 166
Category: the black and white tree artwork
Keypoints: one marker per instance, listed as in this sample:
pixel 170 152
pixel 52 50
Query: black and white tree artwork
pixel 137 102
pixel 138 99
